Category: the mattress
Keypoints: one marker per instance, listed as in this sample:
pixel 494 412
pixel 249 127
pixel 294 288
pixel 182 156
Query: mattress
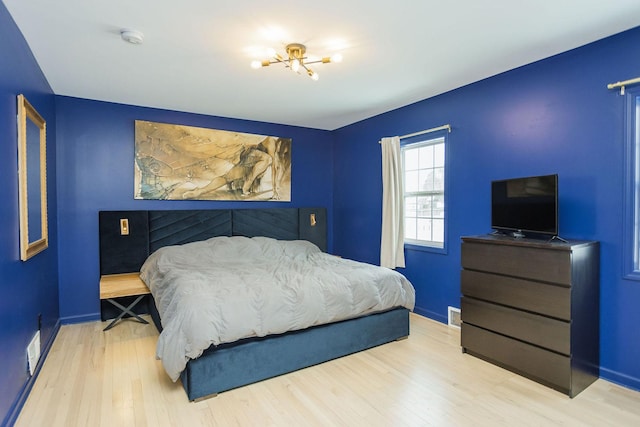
pixel 226 289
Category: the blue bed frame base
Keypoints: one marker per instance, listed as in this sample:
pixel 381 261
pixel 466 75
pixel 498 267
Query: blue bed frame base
pixel 229 366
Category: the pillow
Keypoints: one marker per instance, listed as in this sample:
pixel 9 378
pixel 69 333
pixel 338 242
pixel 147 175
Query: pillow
pixel 297 249
pixel 300 248
pixel 235 247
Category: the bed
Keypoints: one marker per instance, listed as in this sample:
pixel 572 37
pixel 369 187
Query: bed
pixel 228 361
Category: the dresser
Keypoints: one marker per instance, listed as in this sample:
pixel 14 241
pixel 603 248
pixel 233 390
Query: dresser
pixel 532 307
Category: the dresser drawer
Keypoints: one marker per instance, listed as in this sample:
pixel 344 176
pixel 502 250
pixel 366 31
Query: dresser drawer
pixel 535 329
pixel 533 362
pixel 547 265
pixel 550 300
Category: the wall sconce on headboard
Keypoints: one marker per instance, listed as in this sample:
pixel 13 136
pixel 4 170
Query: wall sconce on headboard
pixel 312 220
pixel 124 226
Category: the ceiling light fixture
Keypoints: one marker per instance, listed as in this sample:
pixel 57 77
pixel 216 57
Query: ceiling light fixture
pixel 132 36
pixel 296 60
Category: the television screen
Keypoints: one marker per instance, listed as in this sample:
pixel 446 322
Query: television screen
pixel 527 204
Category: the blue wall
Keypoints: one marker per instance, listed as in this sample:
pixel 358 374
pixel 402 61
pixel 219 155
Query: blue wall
pixel 29 288
pixel 96 153
pixel 553 116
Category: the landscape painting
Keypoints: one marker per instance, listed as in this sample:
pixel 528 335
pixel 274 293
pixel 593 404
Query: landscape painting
pixel 175 162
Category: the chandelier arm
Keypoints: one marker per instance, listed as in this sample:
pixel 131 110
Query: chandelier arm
pixel 325 60
pixel 277 60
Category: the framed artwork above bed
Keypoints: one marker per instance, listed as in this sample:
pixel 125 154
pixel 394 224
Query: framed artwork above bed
pixel 176 162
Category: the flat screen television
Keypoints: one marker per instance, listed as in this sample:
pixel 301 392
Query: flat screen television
pixel 525 205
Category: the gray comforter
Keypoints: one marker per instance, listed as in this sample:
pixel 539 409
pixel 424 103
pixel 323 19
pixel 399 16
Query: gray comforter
pixel 228 288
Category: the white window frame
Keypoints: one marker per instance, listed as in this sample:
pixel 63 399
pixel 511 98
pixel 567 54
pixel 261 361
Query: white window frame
pixel 415 143
pixel 631 223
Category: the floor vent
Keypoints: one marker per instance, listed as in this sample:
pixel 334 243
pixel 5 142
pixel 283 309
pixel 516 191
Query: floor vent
pixel 454 317
pixel 33 352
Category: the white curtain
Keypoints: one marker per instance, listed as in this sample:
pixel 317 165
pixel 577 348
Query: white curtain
pixel 392 242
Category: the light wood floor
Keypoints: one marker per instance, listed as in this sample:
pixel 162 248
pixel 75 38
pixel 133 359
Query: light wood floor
pixel 96 378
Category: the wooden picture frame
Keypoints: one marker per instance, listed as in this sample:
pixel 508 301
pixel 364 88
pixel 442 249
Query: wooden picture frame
pixel 32 180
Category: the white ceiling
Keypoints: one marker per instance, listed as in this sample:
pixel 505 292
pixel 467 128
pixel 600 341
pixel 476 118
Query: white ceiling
pixel 196 53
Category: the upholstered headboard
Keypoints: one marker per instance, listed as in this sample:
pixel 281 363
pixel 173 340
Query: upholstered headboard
pixel 127 238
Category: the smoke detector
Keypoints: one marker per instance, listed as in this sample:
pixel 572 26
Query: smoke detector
pixel 132 36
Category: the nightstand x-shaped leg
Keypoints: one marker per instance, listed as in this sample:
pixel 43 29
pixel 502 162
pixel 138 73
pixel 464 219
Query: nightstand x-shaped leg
pixel 125 310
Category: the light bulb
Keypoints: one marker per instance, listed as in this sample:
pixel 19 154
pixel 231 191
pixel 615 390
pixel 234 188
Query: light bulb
pixel 336 57
pixel 256 64
pixel 295 65
pixel 314 76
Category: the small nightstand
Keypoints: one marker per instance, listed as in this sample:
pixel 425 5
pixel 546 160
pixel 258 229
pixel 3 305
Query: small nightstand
pixel 123 285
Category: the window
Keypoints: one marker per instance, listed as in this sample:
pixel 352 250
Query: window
pixel 423 164
pixel 631 225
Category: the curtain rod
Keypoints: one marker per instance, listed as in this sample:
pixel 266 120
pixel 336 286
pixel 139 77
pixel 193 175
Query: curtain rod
pixel 621 85
pixel 422 132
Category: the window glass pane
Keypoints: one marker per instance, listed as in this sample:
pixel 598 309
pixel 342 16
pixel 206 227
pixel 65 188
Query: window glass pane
pixel 438 230
pixel 426 157
pixel 426 180
pixel 439 155
pixel 424 229
pixel 411 181
pixel 410 228
pixel 438 179
pixel 410 159
pixel 438 206
pixel 410 206
pixel 424 207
